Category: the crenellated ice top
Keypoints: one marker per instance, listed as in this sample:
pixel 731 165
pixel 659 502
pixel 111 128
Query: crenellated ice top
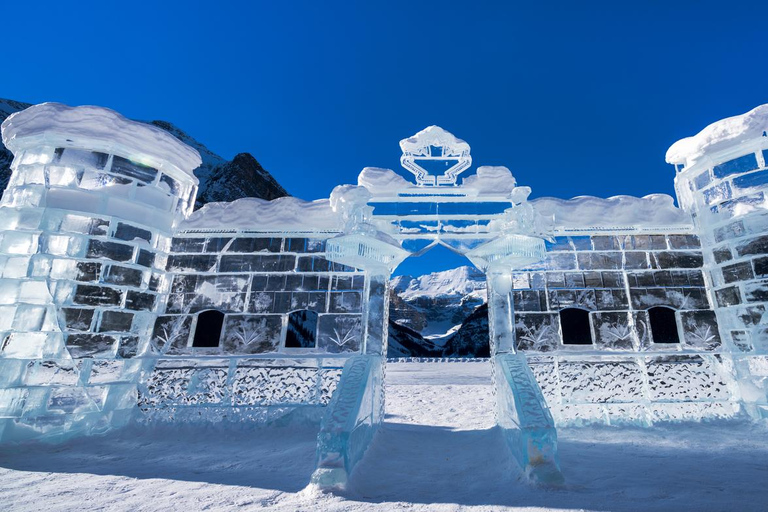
pixel 97 129
pixel 726 134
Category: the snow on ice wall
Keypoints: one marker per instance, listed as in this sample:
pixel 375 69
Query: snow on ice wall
pixel 86 222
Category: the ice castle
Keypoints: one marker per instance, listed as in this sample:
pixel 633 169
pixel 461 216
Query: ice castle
pixel 120 304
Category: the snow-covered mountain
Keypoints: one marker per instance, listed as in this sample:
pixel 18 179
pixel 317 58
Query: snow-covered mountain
pixel 435 303
pixel 220 179
pixel 435 309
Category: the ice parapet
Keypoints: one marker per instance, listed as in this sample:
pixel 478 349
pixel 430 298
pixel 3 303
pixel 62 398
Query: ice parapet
pixel 719 136
pixel 585 212
pixel 282 214
pixel 98 129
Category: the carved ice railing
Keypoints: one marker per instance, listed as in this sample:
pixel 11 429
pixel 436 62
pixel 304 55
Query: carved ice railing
pixel 236 389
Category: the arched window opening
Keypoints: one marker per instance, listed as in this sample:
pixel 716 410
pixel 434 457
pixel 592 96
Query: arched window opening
pixel 574 324
pixel 663 325
pixel 208 330
pixel 302 329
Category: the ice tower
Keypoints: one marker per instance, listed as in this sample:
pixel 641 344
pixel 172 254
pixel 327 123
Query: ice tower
pixel 722 180
pixel 86 224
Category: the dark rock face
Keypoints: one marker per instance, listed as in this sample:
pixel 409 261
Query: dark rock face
pixel 472 338
pixel 403 313
pixel 242 177
pixel 7 107
pixel 405 342
pixel 220 180
pixel 441 309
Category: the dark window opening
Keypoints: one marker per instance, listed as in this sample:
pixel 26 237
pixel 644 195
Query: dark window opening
pixel 663 325
pixel 208 330
pixel 302 329
pixel 574 324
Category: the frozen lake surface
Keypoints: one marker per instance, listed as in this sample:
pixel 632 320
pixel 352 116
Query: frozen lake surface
pixel 438 450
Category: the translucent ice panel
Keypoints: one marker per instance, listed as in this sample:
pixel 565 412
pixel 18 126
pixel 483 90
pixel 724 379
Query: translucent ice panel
pixel 61 176
pixel 26 345
pixel 133 170
pixel 91 180
pixel 736 166
pixel 154 197
pixel 755 179
pixel 169 185
pixel 80 158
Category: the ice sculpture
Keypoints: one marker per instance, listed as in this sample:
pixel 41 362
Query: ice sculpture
pixel 118 303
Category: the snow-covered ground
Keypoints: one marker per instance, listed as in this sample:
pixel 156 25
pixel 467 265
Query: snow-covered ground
pixel 438 450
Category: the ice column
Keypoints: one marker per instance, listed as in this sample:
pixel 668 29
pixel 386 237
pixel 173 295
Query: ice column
pixel 522 411
pixel 722 180
pixel 357 407
pixel 85 225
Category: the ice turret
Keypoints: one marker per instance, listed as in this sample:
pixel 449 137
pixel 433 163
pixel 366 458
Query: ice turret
pixel 86 224
pixel 722 180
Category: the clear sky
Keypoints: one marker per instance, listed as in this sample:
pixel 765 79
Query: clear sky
pixel 576 98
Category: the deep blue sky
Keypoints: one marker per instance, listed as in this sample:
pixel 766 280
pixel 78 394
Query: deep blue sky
pixel 575 97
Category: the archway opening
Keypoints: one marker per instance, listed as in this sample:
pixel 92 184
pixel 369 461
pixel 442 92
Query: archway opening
pixel 437 307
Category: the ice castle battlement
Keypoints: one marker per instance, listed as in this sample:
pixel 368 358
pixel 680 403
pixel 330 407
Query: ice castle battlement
pixel 98 129
pixel 119 303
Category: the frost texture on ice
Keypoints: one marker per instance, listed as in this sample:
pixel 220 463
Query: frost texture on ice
pixel 282 214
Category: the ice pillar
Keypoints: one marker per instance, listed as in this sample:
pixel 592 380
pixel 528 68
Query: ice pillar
pixel 501 314
pixel 521 411
pixel 85 225
pixel 357 407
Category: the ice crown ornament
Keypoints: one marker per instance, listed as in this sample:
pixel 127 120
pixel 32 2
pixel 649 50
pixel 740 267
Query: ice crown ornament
pixel 433 151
